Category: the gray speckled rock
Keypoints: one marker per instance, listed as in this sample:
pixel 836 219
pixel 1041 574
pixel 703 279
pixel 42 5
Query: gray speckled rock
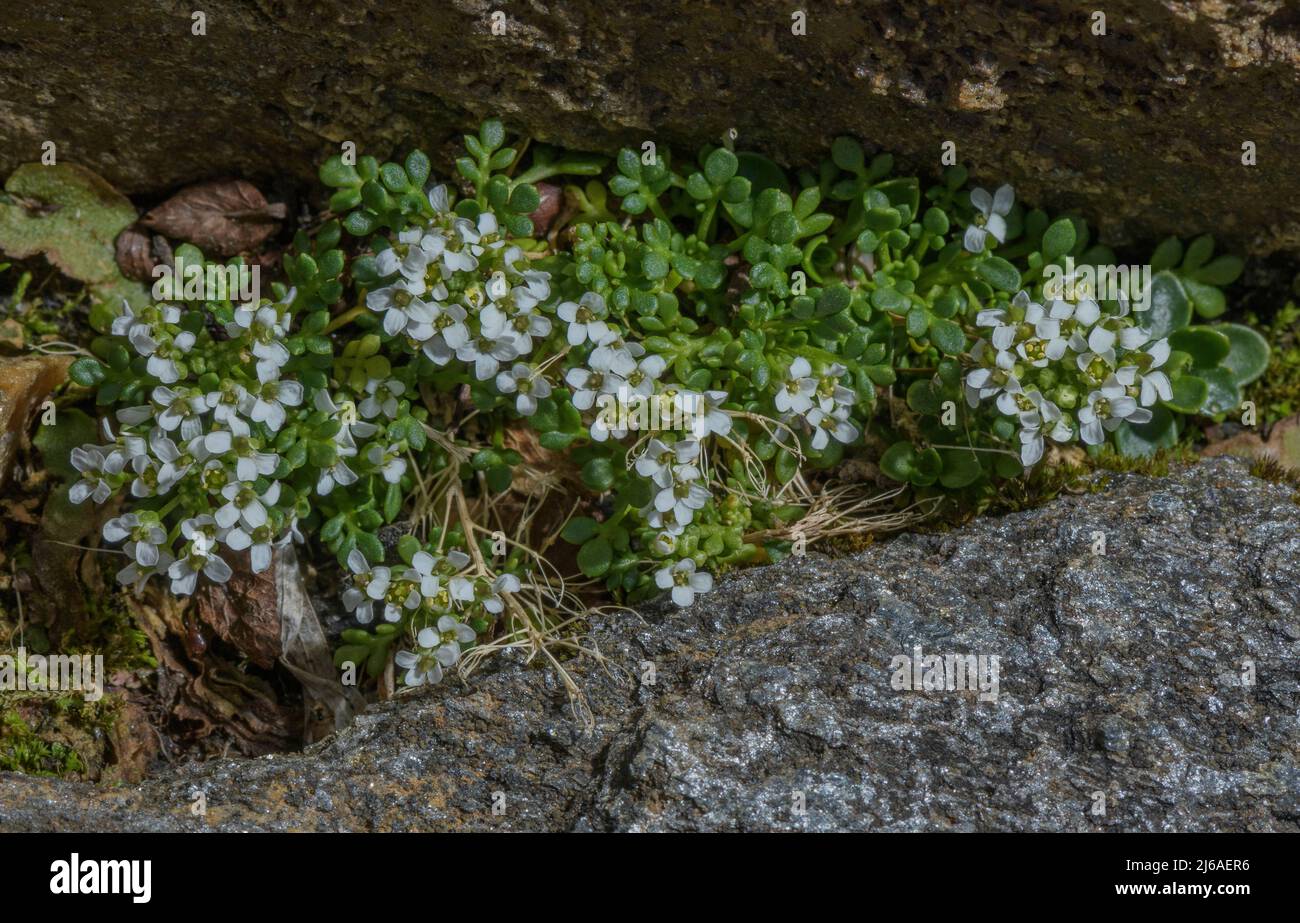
pixel 1119 673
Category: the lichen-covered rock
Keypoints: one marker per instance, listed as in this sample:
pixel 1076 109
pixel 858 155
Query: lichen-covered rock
pixel 1158 683
pixel 1142 128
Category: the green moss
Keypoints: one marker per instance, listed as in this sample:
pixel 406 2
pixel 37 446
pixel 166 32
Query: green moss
pixel 1277 393
pixel 56 734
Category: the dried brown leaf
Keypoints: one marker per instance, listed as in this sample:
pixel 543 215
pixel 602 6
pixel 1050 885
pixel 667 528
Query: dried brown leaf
pixel 221 217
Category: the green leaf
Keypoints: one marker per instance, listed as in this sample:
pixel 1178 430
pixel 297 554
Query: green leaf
pixel 918 322
pixel 71 428
pixel 1198 251
pixel 1170 309
pixel 720 166
pixel 1208 301
pixel 847 154
pixel 947 336
pixel 761 172
pixel 525 199
pixel 998 273
pixel 594 556
pixel 371 547
pixel 1223 271
pixel 492 134
pixel 417 168
pixel 1189 394
pixel 1224 393
pixel 1059 239
pixel 335 173
pixel 899 461
pixel 86 371
pixel 598 474
pixel 787 466
pixel 923 398
pixel 1143 439
pixel 407 547
pixel 1167 255
pixel 579 529
pixel 392 502
pixel 961 467
pixel 1205 345
pixel 1248 353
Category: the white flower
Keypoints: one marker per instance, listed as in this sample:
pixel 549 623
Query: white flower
pixel 684 580
pixel 411 256
pixel 157 473
pixel 444 335
pixel 381 397
pixel 684 495
pixel 266 328
pixel 830 393
pixel 95 466
pixel 1154 384
pixel 401 305
pixel 268 405
pixel 585 318
pixel 346 414
pixel 181 410
pixel 135 575
pixel 504 583
pixel 615 354
pixel 377 588
pixel 524 323
pixel 983 383
pixel 834 424
pixel 420 668
pixel 244 505
pixel 197 559
pixel 587 384
pixel 258 541
pixel 641 376
pixel 665 520
pixel 446 641
pixel 528 384
pixel 490 348
pixel 249 463
pixel 991 218
pixel 165 352
pixel 658 459
pixel 355 598
pixel 1107 408
pixel 338 473
pixel 146 536
pixel 797 390
pixel 388 462
pixel 1037 413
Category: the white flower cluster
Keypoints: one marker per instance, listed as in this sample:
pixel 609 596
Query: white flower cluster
pixel 203 438
pixel 821 402
pixel 462 293
pixel 1066 369
pixel 437 589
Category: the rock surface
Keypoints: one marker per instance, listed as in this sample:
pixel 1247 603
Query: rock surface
pixel 1142 128
pixel 1128 673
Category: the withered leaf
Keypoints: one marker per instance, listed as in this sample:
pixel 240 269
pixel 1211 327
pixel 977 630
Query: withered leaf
pixel 244 612
pixel 134 256
pixel 221 217
pixel 551 198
